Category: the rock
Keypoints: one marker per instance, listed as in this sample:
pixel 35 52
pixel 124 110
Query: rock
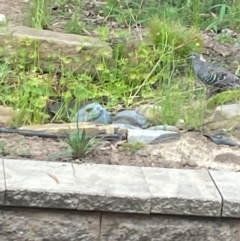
pixel 3 19
pixel 151 136
pixel 164 127
pixel 229 110
pixel 222 125
pixel 90 128
pixel 125 126
pixel 93 112
pixel 82 53
pixel 180 124
pixel 220 140
pixel 131 117
pixel 7 115
pixel 57 106
pixel 224 117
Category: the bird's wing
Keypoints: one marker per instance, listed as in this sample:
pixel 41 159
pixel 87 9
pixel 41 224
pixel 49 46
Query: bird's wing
pixel 225 77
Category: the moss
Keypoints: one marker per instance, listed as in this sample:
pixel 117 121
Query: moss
pixel 133 147
pixel 223 98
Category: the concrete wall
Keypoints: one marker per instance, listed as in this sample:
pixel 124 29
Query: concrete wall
pixel 54 225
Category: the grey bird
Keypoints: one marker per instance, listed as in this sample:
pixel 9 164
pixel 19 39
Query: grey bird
pixel 212 75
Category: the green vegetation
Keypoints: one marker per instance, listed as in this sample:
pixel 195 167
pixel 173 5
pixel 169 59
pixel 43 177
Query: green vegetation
pixel 133 147
pixel 80 145
pixel 158 71
pixel 223 98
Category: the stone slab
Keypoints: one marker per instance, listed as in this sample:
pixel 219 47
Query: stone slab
pixel 182 192
pixel 81 54
pixel 112 188
pixel 151 136
pixel 90 128
pixel 35 225
pixel 2 184
pixel 40 184
pixel 228 184
pixel 166 228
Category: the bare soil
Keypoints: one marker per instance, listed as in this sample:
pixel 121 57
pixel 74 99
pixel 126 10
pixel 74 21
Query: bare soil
pixel 192 151
pixel 12 9
pixel 16 13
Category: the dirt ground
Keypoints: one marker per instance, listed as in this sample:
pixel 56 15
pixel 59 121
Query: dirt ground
pixel 192 151
pixel 12 9
pixel 15 11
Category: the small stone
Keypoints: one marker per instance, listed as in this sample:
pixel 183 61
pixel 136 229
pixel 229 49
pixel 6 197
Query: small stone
pixel 125 126
pixel 93 112
pixel 151 136
pixel 3 19
pixel 63 128
pixel 229 110
pixel 180 124
pixel 224 117
pixel 220 140
pixel 131 117
pixel 164 127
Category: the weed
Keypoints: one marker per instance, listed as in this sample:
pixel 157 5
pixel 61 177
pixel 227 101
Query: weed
pixel 80 144
pixel 38 14
pixel 174 38
pixel 4 151
pixel 74 25
pixel 133 147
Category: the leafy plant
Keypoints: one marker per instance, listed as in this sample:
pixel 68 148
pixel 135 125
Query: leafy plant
pixel 3 149
pixel 80 144
pixel 220 18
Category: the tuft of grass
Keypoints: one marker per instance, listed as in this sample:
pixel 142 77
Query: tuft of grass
pixel 4 151
pixel 133 147
pixel 225 14
pixel 174 37
pixel 80 144
pixel 74 25
pixel 37 14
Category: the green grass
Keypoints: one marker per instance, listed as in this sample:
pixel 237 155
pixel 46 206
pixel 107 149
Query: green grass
pixel 79 144
pixel 159 73
pixel 69 14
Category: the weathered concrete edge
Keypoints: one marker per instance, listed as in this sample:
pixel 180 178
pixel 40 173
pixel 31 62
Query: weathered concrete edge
pixel 4 195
